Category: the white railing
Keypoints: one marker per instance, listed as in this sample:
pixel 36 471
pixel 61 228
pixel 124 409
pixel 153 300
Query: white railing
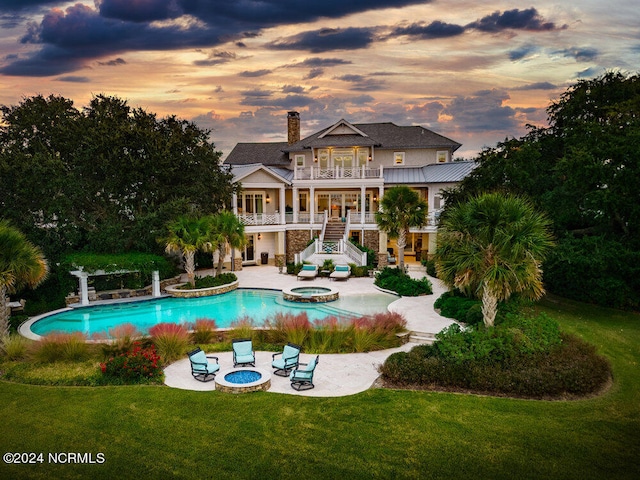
pixel 356 218
pixel 312 173
pixel 354 253
pixel 260 218
pixel 307 252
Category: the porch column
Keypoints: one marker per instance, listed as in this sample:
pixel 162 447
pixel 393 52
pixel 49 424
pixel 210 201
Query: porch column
pixel 380 194
pixel 363 206
pixel 312 204
pixel 282 206
pixel 234 200
pixel 84 288
pixel 296 204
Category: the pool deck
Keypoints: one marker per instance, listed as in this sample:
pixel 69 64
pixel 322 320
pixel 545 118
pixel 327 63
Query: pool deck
pixel 336 374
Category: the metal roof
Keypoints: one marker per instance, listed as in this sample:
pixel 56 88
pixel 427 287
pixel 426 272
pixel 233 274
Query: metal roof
pixel 447 172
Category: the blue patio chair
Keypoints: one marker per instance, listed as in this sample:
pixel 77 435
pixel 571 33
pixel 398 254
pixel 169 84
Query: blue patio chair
pixel 201 367
pixel 302 376
pixel 243 352
pixel 289 359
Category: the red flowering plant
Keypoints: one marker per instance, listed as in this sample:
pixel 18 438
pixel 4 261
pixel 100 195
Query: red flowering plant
pixel 139 364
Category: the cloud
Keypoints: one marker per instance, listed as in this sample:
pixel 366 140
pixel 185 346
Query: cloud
pixel 435 29
pixel 537 86
pixel 580 54
pixel 113 63
pixel 255 73
pixel 74 79
pixel 139 10
pixel 314 73
pixel 361 83
pixel 522 52
pixel 482 111
pixel 320 62
pixel 285 103
pixel 292 89
pixel 515 19
pixel 22 5
pixel 327 39
pixel 216 58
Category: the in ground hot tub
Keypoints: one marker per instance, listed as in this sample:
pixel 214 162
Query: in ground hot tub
pixel 310 294
pixel 243 380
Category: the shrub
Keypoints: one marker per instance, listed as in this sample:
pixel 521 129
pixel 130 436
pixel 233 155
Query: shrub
pixel 291 328
pixel 171 341
pixel 120 339
pixel 430 265
pixel 359 270
pixel 13 347
pixel 203 330
pixel 397 281
pixel 294 268
pixel 211 281
pixel 137 365
pixel 454 304
pixel 62 346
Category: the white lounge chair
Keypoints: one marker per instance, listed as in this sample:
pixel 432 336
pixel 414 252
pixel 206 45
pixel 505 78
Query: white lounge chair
pixel 308 271
pixel 341 272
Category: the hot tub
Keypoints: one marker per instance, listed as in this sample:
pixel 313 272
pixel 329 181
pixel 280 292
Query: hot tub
pixel 310 294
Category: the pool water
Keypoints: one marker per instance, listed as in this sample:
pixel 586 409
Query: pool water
pixel 258 305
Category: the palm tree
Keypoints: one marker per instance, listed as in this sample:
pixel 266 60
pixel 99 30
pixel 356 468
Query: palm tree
pixel 187 235
pixel 22 264
pixel 491 247
pixel 227 235
pixel 402 208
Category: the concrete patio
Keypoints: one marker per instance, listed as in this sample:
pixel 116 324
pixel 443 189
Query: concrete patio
pixel 336 374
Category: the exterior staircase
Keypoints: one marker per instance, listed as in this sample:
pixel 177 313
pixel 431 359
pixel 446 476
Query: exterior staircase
pixel 334 231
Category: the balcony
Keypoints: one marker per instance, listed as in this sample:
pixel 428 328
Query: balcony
pixel 337 173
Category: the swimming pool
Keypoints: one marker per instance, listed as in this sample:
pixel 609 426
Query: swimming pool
pixel 256 304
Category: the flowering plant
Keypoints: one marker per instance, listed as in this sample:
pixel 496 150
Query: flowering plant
pixel 136 364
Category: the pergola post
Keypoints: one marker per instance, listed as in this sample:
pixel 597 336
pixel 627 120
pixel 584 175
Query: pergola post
pixel 84 288
pixel 155 275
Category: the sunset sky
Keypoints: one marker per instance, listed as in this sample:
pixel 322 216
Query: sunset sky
pixel 476 71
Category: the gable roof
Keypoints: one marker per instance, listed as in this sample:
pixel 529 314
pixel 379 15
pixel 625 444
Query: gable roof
pixel 242 171
pixel 268 153
pixel 380 135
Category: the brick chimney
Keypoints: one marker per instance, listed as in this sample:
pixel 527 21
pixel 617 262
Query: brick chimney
pixel 293 127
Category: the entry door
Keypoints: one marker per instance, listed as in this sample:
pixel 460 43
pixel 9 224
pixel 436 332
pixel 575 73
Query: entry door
pixel 336 205
pixel 249 254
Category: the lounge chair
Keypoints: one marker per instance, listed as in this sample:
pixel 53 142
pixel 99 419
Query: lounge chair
pixel 243 352
pixel 391 259
pixel 302 376
pixel 202 368
pixel 308 271
pixel 289 359
pixel 341 272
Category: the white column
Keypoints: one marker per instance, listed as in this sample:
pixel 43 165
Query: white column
pixel 155 285
pixel 296 204
pixel 312 203
pixel 282 206
pixel 380 194
pixel 84 288
pixel 235 203
pixel 363 206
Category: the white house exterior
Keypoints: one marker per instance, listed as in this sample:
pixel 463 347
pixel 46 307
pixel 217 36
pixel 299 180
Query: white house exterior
pixel 328 186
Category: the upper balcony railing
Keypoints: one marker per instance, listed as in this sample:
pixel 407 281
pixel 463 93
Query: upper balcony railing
pixel 317 173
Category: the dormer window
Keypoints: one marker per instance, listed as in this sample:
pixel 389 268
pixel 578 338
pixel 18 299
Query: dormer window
pixel 398 158
pixel 299 160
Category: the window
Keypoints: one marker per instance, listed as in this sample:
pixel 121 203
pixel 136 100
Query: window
pixel 442 156
pixel 323 157
pixel 363 156
pixel 398 158
pixel 250 203
pixel 302 201
pixel 299 160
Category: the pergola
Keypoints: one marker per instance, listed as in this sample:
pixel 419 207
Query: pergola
pixel 84 281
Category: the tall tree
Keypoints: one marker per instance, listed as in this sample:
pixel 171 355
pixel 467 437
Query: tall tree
pixel 21 265
pixel 227 235
pixel 402 209
pixel 491 247
pixel 187 235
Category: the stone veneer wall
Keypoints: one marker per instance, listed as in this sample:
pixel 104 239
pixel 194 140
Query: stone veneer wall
pixel 296 242
pixel 203 292
pixel 72 298
pixel 372 240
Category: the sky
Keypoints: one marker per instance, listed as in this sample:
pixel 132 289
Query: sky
pixel 476 71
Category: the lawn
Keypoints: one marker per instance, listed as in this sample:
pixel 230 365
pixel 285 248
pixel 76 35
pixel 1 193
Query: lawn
pixel 158 432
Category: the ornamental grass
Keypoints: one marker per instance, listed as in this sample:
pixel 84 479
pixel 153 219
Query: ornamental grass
pixel 171 340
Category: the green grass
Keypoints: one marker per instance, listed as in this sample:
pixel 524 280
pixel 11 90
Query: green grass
pixel 158 432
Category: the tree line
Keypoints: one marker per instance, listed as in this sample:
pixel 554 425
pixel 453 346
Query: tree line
pixel 583 172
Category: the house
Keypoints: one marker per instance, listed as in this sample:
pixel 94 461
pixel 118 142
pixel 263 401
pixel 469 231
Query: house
pixel 304 198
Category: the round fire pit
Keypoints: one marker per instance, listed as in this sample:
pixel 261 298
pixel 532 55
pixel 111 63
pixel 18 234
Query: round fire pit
pixel 243 380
